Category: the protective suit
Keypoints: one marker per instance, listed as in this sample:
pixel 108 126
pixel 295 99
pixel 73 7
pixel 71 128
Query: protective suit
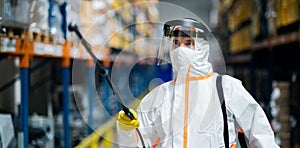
pixel 186 112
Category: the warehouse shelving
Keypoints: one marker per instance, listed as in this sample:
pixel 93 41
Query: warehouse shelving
pixel 23 49
pixel 26 50
pixel 268 44
pixel 276 41
pixel 261 56
pixel 267 53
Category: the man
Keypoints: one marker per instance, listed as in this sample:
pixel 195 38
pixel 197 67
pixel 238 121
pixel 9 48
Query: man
pixel 186 112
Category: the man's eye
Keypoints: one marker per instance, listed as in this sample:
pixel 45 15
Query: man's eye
pixel 175 42
pixel 188 43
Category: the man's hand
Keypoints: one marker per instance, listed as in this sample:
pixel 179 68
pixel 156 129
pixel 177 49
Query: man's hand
pixel 125 123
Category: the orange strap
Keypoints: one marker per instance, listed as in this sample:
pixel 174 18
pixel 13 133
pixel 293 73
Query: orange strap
pixel 240 131
pixel 137 139
pixel 201 77
pixel 186 109
pixel 156 143
pixel 233 146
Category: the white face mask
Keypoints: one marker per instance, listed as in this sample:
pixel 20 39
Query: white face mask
pixel 181 57
pixel 198 58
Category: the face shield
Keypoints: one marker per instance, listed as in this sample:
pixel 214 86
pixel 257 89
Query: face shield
pixel 194 35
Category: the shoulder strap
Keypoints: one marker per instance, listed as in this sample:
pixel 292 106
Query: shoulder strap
pixel 242 140
pixel 222 102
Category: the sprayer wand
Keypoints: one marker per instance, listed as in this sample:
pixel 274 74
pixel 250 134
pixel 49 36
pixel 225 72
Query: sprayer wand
pixel 103 72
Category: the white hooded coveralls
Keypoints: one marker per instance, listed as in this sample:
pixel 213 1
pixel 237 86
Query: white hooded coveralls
pixel 186 113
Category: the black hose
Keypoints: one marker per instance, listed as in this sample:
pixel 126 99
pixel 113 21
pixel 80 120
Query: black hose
pixel 103 71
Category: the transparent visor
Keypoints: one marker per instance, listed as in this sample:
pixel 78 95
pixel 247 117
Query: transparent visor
pixel 194 38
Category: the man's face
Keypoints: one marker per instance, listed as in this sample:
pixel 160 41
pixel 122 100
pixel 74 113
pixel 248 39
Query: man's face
pixel 187 42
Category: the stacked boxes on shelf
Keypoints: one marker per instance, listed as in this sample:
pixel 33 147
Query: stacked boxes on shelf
pixel 254 21
pixel 239 19
pixel 105 24
pixel 282 16
pixel 288 15
pixel 294 111
pixel 14 20
pixel 28 16
pixel 117 24
pixel 234 17
pixel 27 20
pixel 281 112
pixel 15 13
pixel 39 27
